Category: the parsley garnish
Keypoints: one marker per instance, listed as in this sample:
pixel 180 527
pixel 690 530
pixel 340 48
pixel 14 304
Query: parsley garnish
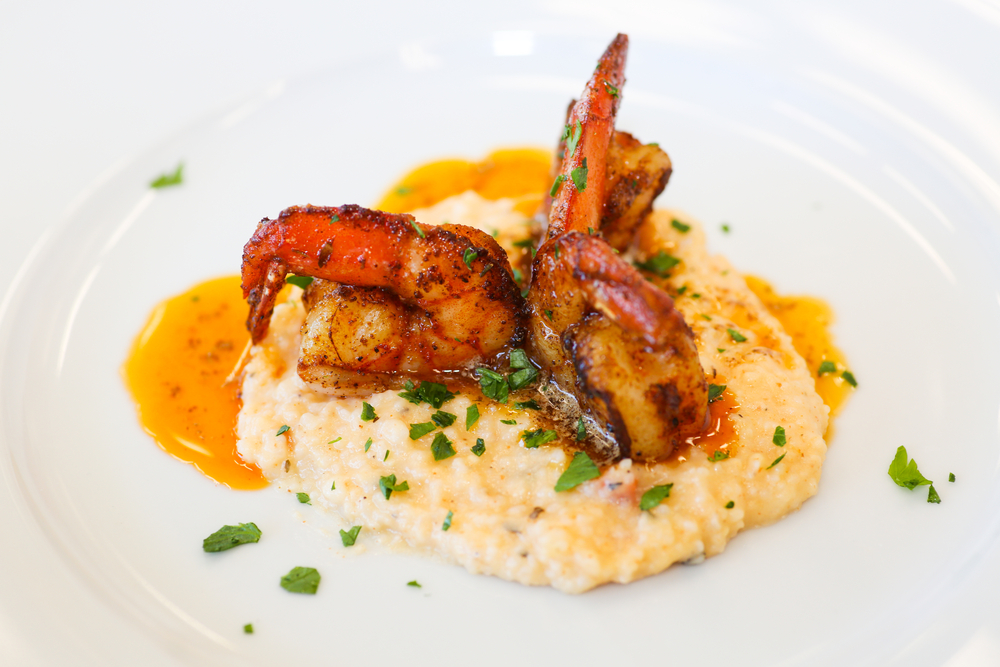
pixel 725 228
pixel 447 521
pixel 333 487
pixel 335 441
pixel 655 496
pixel 736 336
pixel 528 405
pixel 533 439
pixel 414 584
pixel 718 455
pixel 334 218
pixel 509 422
pixel 555 185
pixel 611 89
pixel 580 469
pixel 468 256
pixel 849 378
pixel 283 430
pixel 659 264
pixel 715 392
pixel 434 393
pixel 368 444
pixel 779 436
pixel 386 457
pixel 299 281
pixel 349 537
pixel 522 378
pixel 368 413
pixel 775 462
pixel 826 367
pixel 579 176
pixel 519 358
pixel 301 580
pixel 228 537
pixel 932 496
pixel 730 505
pixel 572 137
pixel 441 447
pixel 904 472
pixel 951 477
pixel 493 384
pixel 480 447
pixel 443 419
pixel 418 431
pixel 388 484
pixel 419 231
pixel 471 416
pixel 548 314
pixel 581 430
pixel 166 180
pixel 248 628
pixel 680 226
pixel 303 498
pixel 525 243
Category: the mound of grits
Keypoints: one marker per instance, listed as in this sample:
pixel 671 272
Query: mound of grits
pixel 506 518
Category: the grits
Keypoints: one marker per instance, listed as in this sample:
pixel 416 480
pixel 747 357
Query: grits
pixel 507 520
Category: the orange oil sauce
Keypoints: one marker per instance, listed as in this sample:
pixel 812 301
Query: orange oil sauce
pixel 179 373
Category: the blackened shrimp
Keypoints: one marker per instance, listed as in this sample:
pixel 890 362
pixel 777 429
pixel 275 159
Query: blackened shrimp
pixel 435 298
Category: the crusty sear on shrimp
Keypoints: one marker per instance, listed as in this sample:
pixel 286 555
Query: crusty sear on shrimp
pixel 605 333
pixel 446 294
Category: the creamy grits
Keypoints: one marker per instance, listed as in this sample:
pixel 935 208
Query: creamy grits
pixel 506 519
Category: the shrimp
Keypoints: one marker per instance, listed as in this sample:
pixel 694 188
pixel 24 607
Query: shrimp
pixel 446 293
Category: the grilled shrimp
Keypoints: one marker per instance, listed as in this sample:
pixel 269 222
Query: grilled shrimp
pixel 606 334
pixel 413 298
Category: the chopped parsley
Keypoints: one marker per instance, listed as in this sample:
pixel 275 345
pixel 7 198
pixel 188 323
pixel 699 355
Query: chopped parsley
pixel 419 231
pixel 418 431
pixel 166 180
pixel 849 378
pixel 779 436
pixel 509 422
pixel 468 256
pixel 730 505
pixel 680 226
pixel 471 416
pixel 386 457
pixel 572 136
pixel 718 455
pixel 581 430
pixel 525 243
pixel 413 584
pixel 333 487
pixel 349 537
pixel 705 317
pixel 299 281
pixel 388 484
pixel 480 447
pixel 580 469
pixel 528 405
pixel 681 290
pixel 301 580
pixel 826 367
pixel 518 276
pixel 334 441
pixel 951 477
pixel 548 314
pixel 720 350
pixel 303 498
pixel 447 521
pixel 612 90
pixel 368 412
pixel 368 444
pixel 441 447
pixel 659 264
pixel 521 378
pixel 903 471
pixel 433 393
pixel 533 439
pixel 775 462
pixel 725 228
pixel 519 358
pixel 736 336
pixel 334 218
pixel 932 496
pixel 283 430
pixel 715 392
pixel 556 184
pixel 579 176
pixel 248 629
pixel 493 384
pixel 228 537
pixel 655 496
pixel 443 419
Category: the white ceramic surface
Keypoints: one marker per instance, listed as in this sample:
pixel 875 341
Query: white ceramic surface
pixel 872 186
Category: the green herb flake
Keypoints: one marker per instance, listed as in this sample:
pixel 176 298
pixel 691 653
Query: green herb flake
pixel 581 430
pixel 736 336
pixel 468 256
pixel 432 393
pixel 524 243
pixel 283 430
pixel 535 439
pixel 333 487
pixel 556 184
pixel 349 537
pixel 493 384
pixel 725 228
pixel 303 498
pixel 680 226
pixel 730 505
pixel 414 584
pixel 334 441
pixel 681 290
pixel 612 90
pixel 932 495
pixel 299 281
pixel 522 378
pixel 447 521
pixel 528 405
pixel 579 176
pixel 519 358
pixel 441 447
pixel 416 228
pixel 167 180
pixel 480 447
pixel 779 436
pixel 548 314
pixel 228 537
pixel 849 378
pixel 518 276
pixel 334 218
pixel 403 190
pixel 718 455
pixel 705 317
pixel 655 496
pixel 951 477
pixel 248 629
pixel 388 484
pixel 659 264
pixel 471 416
pixel 572 137
pixel 775 462
pixel 509 422
pixel 904 472
pixel 826 367
pixel 580 469
pixel 443 419
pixel 720 350
pixel 715 392
pixel 368 444
pixel 418 431
pixel 368 413
pixel 386 457
pixel 301 580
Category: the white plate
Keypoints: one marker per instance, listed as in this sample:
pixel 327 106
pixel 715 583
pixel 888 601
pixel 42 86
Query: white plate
pixel 830 189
